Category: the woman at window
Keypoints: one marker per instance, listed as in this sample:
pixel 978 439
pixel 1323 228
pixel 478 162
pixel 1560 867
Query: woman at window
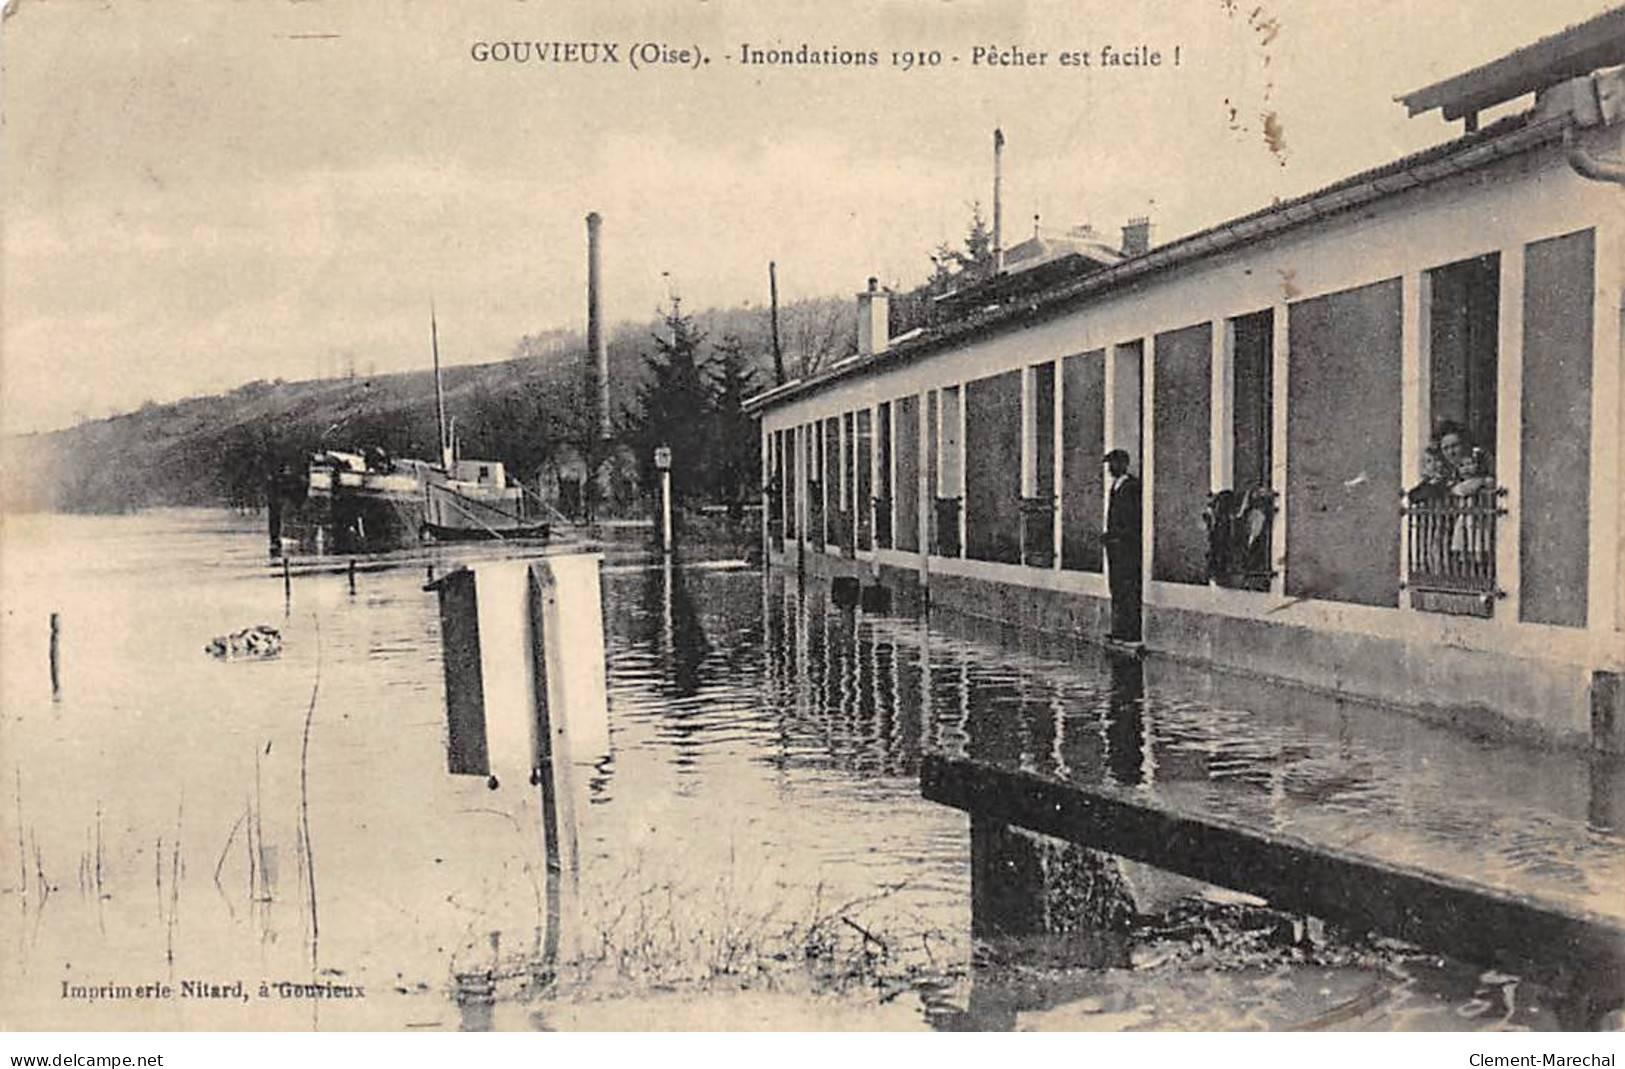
pixel 1472 497
pixel 1429 502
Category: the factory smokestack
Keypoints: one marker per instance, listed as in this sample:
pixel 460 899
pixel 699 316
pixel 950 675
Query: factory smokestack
pixel 597 350
pixel 998 200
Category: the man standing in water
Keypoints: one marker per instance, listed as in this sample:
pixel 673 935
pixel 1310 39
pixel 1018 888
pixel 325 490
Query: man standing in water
pixel 1122 541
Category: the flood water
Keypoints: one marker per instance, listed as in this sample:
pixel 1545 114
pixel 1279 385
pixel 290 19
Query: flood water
pixel 753 853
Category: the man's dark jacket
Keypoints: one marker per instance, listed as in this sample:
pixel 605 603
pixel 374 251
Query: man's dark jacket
pixel 1123 553
pixel 1123 519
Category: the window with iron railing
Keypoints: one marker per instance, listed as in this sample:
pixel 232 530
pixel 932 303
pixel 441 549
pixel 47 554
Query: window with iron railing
pixel 1239 533
pixel 1038 532
pixel 1450 565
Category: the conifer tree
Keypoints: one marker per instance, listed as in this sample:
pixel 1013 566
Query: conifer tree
pixel 738 461
pixel 675 409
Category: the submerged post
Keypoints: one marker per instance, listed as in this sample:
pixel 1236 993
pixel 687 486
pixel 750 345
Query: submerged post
pixel 571 712
pixel 287 585
pixel 567 628
pixel 526 701
pixel 352 576
pixel 663 462
pixel 56 650
pixel 524 660
pixel 665 510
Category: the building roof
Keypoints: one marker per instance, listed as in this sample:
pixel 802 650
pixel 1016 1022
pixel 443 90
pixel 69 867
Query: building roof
pixel 1578 50
pixel 1042 248
pixel 1510 136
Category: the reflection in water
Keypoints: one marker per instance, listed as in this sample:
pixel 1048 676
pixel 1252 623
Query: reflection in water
pixel 680 640
pixel 881 688
pixel 1607 798
pixel 1126 749
pixel 871 691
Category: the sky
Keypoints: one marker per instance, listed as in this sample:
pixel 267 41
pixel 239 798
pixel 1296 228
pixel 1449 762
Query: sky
pixel 199 194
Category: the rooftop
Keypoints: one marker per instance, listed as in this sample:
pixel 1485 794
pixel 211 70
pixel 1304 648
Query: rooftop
pixel 1578 50
pixel 1059 285
pixel 1042 248
pixel 1509 136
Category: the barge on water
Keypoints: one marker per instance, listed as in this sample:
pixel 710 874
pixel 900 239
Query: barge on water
pixel 1319 358
pixel 371 502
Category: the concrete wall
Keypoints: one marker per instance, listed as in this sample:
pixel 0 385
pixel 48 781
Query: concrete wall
pixel 1252 409
pixel 1511 696
pixel 835 525
pixel 1485 698
pixel 1083 438
pixel 1040 431
pixel 1556 456
pixel 906 491
pixel 863 479
pixel 1180 410
pixel 884 471
pixel 1464 307
pixel 1057 611
pixel 933 474
pixel 813 510
pixel 992 468
pixel 792 484
pixel 1343 441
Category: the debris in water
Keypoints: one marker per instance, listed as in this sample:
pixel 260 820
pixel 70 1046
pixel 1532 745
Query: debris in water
pixel 261 641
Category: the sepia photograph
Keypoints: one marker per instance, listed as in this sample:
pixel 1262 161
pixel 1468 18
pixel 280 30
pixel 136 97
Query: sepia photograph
pixel 880 516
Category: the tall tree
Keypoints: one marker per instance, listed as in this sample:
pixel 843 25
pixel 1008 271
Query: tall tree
pixel 951 269
pixel 567 398
pixel 675 406
pixel 971 263
pixel 738 461
pixel 819 332
pixel 555 409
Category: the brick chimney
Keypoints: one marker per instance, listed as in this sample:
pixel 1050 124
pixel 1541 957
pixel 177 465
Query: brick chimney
pixel 1137 236
pixel 874 327
pixel 597 349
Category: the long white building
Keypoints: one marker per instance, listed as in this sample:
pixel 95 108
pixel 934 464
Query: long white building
pixel 1281 377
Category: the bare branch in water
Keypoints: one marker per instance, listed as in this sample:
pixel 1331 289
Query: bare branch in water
pixel 174 878
pixel 868 936
pixel 230 838
pixel 22 854
pixel 304 794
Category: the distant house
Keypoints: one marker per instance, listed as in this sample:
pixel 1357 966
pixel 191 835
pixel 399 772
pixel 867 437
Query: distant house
pixel 1042 260
pixel 1084 246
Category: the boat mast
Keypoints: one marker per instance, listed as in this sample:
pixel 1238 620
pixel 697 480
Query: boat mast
pixel 439 391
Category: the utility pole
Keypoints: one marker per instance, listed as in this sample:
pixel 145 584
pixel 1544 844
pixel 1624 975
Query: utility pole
pixel 773 291
pixel 998 200
pixel 597 347
pixel 439 391
pixel 595 445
